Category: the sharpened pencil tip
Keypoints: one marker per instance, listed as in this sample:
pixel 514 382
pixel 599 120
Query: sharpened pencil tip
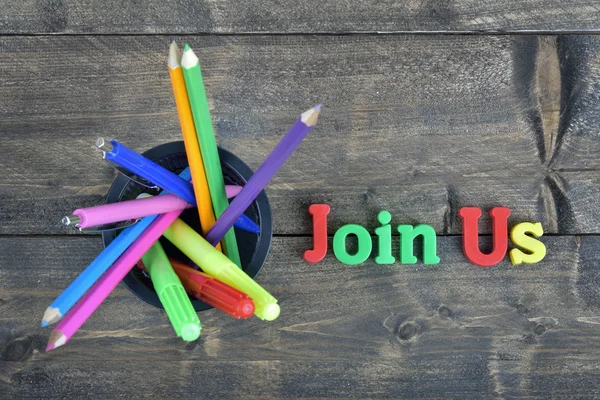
pixel 44 323
pixel 318 107
pixel 51 315
pixel 57 339
pixel 174 56
pixel 186 47
pixel 189 58
pixel 310 117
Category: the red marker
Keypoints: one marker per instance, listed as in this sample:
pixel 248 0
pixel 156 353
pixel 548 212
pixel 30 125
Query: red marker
pixel 213 292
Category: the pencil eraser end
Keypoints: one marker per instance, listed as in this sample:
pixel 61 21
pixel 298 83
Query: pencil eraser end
pixel 190 332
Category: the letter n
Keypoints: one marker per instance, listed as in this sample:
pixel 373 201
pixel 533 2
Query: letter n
pixel 407 237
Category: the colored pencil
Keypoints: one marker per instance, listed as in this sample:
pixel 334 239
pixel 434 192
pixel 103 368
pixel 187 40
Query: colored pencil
pixel 264 173
pixel 105 259
pixel 208 145
pixel 67 327
pixel 192 147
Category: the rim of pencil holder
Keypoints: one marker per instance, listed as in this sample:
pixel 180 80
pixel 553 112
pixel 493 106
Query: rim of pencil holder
pixel 253 248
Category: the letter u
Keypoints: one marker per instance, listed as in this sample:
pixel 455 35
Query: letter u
pixel 470 218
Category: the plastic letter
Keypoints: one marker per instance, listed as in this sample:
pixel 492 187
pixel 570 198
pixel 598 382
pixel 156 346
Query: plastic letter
pixel 429 244
pixel 319 213
pixel 365 244
pixel 470 217
pixel 536 249
pixel 384 235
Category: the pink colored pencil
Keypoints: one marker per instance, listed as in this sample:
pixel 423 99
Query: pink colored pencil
pixel 111 278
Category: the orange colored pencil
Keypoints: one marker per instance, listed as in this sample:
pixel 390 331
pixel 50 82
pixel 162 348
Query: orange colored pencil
pixel 192 147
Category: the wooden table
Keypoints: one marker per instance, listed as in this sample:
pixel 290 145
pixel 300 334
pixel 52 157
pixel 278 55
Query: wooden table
pixel 428 107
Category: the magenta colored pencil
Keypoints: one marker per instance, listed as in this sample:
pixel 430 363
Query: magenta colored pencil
pixel 263 174
pixel 111 278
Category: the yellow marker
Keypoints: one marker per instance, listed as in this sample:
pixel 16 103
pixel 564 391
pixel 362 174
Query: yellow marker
pixel 218 266
pixel 536 249
pixel 190 139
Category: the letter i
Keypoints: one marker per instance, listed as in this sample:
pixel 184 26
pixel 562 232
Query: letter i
pixel 319 213
pixel 384 235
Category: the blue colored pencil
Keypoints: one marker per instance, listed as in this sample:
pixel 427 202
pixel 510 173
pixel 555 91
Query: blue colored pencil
pixel 94 271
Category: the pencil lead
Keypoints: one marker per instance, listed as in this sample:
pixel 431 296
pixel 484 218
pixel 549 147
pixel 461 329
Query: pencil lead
pixel 310 117
pixel 186 47
pixel 174 56
pixel 189 58
pixel 57 339
pixel 44 324
pixel 51 315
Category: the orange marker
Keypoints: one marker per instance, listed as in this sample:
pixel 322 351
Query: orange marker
pixel 192 147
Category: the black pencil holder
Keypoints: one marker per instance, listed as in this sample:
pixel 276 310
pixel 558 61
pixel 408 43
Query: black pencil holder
pixel 253 248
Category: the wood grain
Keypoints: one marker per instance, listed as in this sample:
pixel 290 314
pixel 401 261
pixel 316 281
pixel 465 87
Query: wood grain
pixel 578 135
pixel 307 16
pixel 419 331
pixel 417 125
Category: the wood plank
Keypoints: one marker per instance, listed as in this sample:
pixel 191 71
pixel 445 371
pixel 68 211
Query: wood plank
pixel 419 331
pixel 417 125
pixel 308 16
pixel 577 141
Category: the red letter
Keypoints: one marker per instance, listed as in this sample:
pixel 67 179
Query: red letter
pixel 319 213
pixel 470 217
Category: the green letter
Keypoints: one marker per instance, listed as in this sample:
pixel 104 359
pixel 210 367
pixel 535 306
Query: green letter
pixel 364 244
pixel 384 234
pixel 406 244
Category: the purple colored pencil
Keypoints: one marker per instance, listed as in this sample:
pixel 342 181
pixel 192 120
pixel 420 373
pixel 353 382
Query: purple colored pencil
pixel 263 174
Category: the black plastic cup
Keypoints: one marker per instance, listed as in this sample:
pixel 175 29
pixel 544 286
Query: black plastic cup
pixel 253 248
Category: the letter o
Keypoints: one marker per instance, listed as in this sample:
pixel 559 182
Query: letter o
pixel 365 244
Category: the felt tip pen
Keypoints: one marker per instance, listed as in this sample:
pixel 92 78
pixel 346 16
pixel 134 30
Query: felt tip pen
pixel 171 293
pixel 214 292
pixel 160 176
pixel 217 265
pixel 132 209
pixel 147 169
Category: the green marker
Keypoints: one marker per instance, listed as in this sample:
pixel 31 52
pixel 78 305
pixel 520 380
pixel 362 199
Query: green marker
pixel 208 145
pixel 217 265
pixel 171 293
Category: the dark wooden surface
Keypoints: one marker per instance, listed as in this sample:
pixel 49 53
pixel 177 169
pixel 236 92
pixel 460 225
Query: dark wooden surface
pixel 325 16
pixel 414 123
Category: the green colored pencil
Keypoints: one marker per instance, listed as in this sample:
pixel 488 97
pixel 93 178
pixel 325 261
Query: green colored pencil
pixel 208 145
